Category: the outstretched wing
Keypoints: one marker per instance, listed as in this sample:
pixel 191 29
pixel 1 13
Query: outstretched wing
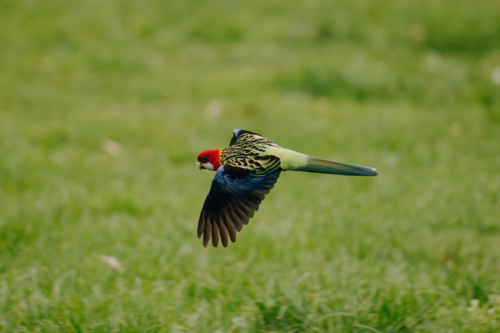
pixel 234 196
pixel 237 132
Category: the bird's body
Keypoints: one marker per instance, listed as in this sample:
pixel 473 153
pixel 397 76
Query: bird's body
pixel 245 173
pixel 250 148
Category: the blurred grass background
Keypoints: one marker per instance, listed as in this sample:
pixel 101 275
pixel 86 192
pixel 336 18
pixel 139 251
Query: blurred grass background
pixel 104 107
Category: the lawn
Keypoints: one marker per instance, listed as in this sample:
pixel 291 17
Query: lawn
pixel 104 106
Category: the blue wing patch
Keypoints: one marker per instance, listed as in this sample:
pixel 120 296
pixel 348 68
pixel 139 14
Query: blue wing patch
pixel 235 195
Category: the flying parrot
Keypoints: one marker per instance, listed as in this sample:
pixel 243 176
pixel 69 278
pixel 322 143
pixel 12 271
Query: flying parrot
pixel 245 172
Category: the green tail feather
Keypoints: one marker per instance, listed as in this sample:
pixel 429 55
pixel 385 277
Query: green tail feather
pixel 321 165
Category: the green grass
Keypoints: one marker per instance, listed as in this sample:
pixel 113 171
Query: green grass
pixel 104 107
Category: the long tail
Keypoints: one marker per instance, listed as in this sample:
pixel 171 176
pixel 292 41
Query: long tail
pixel 292 160
pixel 321 165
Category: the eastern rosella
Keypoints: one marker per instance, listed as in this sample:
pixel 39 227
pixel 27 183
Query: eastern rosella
pixel 245 172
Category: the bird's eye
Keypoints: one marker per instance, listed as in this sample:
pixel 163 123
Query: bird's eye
pixel 204 158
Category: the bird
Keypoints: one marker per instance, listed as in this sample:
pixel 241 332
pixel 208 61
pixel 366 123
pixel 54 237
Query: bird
pixel 245 172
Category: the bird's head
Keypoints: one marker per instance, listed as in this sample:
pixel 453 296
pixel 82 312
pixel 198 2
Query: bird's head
pixel 209 159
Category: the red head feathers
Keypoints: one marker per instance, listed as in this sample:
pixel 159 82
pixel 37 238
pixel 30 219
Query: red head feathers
pixel 209 159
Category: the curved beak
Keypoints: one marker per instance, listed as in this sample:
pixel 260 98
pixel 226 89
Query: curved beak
pixel 199 165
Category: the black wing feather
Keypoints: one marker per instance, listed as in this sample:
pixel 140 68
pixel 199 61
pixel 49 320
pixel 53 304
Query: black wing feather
pixel 235 195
